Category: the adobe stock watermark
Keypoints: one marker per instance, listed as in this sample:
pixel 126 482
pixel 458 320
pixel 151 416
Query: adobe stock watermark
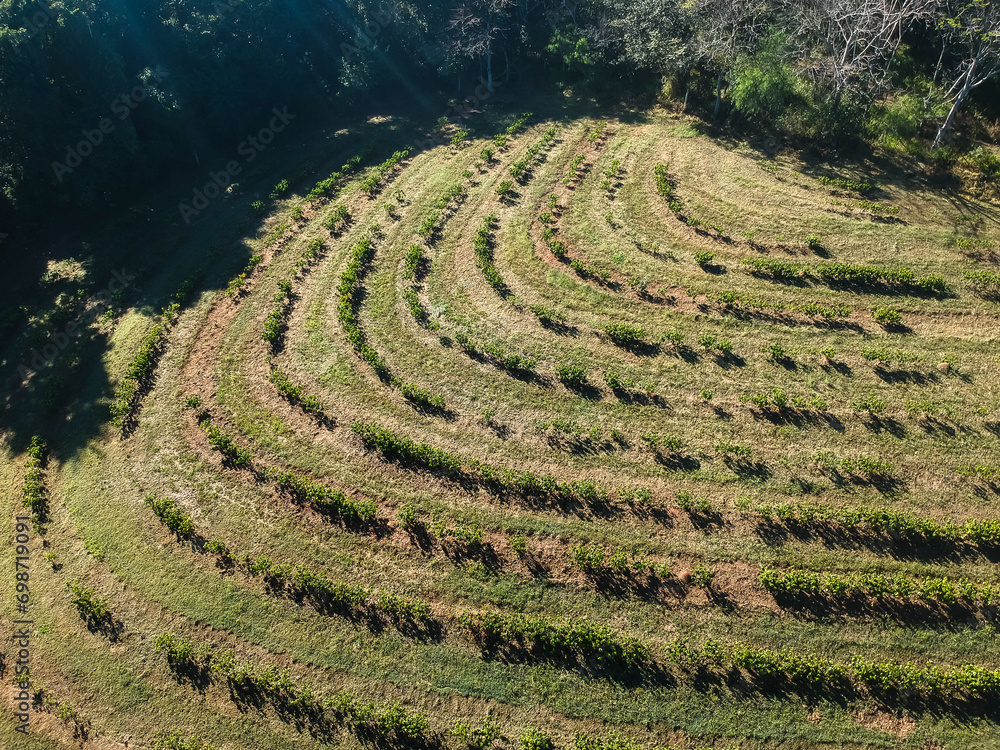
pixel 249 149
pixel 366 36
pixel 22 630
pixel 92 139
pixel 57 342
pixel 39 19
pixel 483 93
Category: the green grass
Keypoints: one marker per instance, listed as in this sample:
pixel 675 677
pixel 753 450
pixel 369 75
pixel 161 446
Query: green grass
pixel 95 483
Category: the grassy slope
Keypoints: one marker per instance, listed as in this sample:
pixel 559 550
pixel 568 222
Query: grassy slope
pixel 154 584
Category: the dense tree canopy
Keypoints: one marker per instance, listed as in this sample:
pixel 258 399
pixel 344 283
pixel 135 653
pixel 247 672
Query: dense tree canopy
pixel 148 84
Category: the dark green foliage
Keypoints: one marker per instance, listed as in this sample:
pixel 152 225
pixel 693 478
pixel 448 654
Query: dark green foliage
pixel 691 504
pixel 555 638
pixel 837 311
pixel 373 181
pixel 985 283
pixel 798 583
pixel 414 258
pixel 772 268
pixel 534 738
pixel 726 448
pixel 867 466
pixel 32 492
pixel 138 375
pixel 521 167
pixel 274 323
pixel 412 301
pixel 235 456
pixel 477 738
pixel 482 246
pixel 848 274
pixel 501 481
pixel 350 282
pixel 572 376
pixel 309 403
pixel 177 741
pixel 664 185
pixel 327 187
pixel 327 499
pixel 171 514
pixel 704 258
pixel 887 317
pixel 845 184
pixel 623 334
pixel 91 608
pixel 337 221
pixel 885 521
pixel 400 448
pixel 420 396
pixel 547 315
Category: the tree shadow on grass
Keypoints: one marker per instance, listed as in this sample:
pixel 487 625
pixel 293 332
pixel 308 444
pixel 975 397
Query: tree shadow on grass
pixel 642 398
pixel 559 327
pixel 879 424
pixel 850 607
pixel 800 418
pixel 746 468
pixel 584 390
pixel 638 348
pixel 835 536
pixel 911 377
pixel 729 361
pixel 677 461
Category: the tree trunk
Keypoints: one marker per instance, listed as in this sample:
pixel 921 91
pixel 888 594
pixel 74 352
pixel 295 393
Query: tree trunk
pixel 836 101
pixel 718 96
pixel 951 114
pixel 489 71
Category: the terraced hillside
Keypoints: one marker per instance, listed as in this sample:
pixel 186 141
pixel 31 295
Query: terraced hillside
pixel 592 434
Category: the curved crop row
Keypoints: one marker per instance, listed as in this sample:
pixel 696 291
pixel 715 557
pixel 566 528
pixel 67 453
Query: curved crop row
pixel 555 638
pixel 499 481
pixel 327 499
pixel 847 274
pixel 390 723
pixel 882 520
pixel 795 583
pixel 32 493
pixel 325 188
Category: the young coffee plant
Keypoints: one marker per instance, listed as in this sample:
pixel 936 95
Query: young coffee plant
pixel 480 737
pixel 338 220
pixel 572 376
pixel 171 514
pixel 887 317
pixel 32 492
pixel 664 185
pixel 623 334
pixel 232 454
pixel 296 395
pixel 702 576
pixel 704 258
pixel 691 504
pixel 91 608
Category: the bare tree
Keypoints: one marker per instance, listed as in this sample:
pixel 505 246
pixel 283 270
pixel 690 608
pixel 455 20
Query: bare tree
pixel 972 29
pixel 726 29
pixel 858 38
pixel 477 28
